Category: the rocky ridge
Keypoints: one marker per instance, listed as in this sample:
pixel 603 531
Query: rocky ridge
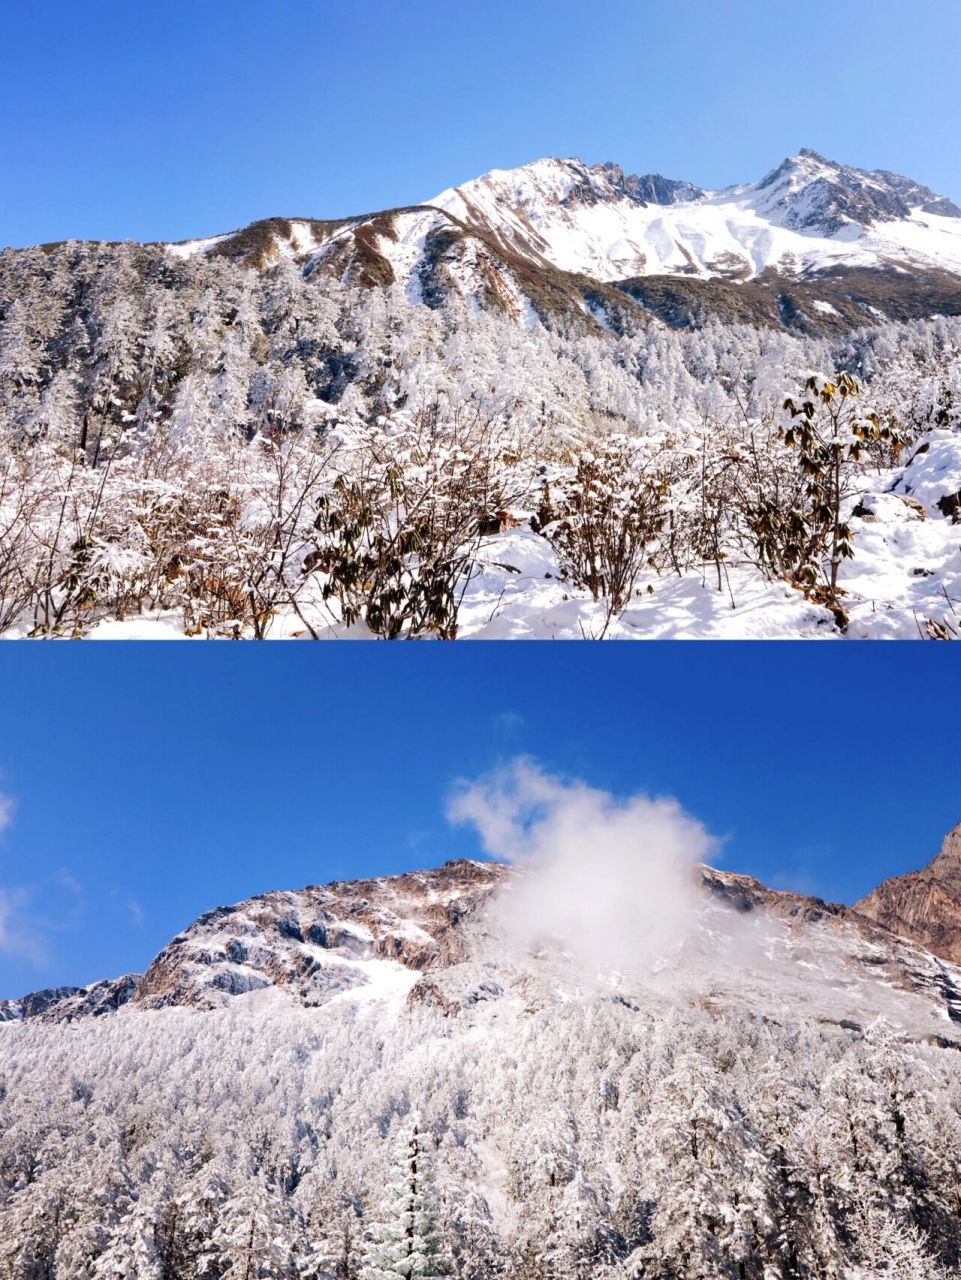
pixel 421 937
pixel 924 905
pixel 814 246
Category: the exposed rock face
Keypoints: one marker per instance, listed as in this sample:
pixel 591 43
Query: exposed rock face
pixel 812 192
pixel 607 181
pixel 924 905
pixel 94 1001
pixel 424 938
pixel 65 1004
pixel 317 942
pixel 34 1004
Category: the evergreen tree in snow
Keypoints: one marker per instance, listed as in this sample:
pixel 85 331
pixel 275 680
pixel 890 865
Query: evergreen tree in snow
pixel 404 1242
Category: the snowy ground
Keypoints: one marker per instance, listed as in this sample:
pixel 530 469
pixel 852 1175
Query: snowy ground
pixel 519 595
pixel 530 601
pixel 904 583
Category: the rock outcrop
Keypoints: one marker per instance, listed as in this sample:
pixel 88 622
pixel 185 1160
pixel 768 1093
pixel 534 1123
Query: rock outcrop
pixel 924 905
pixel 315 941
pixel 66 1004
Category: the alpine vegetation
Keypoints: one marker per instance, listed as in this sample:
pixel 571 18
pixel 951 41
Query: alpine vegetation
pixel 404 1244
pixel 559 401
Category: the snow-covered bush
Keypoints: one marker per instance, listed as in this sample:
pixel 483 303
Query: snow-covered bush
pixel 399 528
pixel 604 519
pixel 830 431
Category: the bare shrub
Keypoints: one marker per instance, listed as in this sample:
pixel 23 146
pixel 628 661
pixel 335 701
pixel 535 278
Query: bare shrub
pixel 605 519
pixel 398 530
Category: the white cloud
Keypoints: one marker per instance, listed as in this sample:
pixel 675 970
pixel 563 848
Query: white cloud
pixel 18 937
pixel 6 811
pixel 611 881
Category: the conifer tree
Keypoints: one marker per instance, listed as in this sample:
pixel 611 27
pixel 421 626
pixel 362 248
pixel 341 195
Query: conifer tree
pixel 404 1242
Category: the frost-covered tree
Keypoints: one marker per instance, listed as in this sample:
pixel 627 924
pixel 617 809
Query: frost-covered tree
pixel 403 1240
pixel 710 1178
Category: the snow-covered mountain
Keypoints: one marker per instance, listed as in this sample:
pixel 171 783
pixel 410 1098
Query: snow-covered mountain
pixel 779 1100
pixel 808 214
pixel 814 245
pixel 423 937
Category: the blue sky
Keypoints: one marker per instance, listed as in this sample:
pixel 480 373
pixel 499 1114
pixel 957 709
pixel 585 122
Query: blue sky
pixel 150 783
pixel 161 121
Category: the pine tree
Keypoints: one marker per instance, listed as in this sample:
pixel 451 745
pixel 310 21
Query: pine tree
pixel 404 1242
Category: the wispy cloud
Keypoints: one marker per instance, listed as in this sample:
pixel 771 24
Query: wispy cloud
pixel 795 881
pixel 6 811
pixel 32 914
pixel 127 902
pixel 6 910
pixel 804 871
pixel 69 882
pixel 18 937
pixel 508 723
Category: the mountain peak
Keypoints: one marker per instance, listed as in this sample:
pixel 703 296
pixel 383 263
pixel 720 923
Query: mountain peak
pixel 396 937
pixel 602 221
pixel 924 905
pixel 948 858
pixel 809 192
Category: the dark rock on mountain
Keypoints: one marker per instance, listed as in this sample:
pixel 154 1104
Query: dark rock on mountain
pixel 34 1004
pixel 832 301
pixel 65 1004
pixel 649 188
pixel 812 192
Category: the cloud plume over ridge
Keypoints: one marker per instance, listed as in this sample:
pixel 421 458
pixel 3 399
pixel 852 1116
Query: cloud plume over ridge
pixel 609 880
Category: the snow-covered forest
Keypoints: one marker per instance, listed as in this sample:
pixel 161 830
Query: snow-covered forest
pixel 616 1066
pixel 194 446
pixel 561 1138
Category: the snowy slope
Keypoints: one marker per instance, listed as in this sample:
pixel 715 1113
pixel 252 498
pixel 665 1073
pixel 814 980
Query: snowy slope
pixel 809 214
pixel 425 938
